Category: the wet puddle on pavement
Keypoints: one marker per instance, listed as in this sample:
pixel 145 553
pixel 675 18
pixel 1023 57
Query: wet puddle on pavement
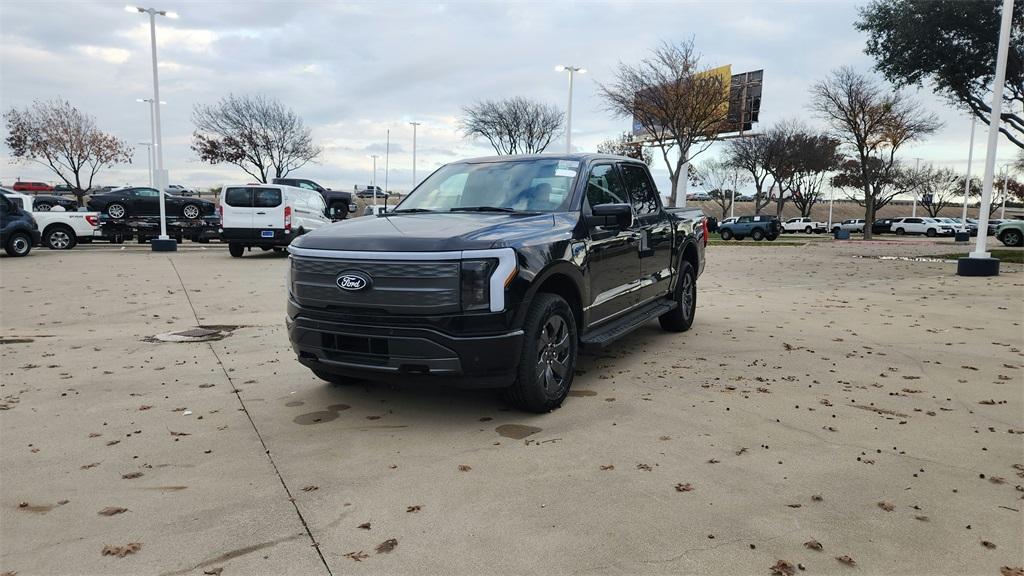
pixel 516 431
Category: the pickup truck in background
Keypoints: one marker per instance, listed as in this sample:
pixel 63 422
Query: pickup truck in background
pixel 758 227
pixel 805 225
pixel 340 204
pixel 60 230
pixel 493 273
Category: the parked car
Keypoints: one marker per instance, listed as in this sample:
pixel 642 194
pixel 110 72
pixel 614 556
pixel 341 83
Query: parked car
pixel 928 226
pixel 958 225
pixel 698 196
pixel 1011 233
pixel 268 216
pixel 758 227
pixel 493 272
pixel 179 190
pixel 339 204
pixel 370 192
pixel 44 202
pixel 64 189
pixel 854 225
pixel 18 229
pixel 59 229
pixel 32 187
pixel 141 201
pixel 882 226
pixel 745 198
pixel 806 225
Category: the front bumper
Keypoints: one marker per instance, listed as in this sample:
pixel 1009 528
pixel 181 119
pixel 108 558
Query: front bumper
pixel 381 352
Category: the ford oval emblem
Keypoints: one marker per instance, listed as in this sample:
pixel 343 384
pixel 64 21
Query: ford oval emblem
pixel 353 281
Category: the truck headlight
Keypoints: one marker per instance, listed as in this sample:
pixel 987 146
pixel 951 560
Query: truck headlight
pixel 475 281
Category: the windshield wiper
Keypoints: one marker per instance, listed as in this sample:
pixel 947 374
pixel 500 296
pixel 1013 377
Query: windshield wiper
pixel 410 210
pixel 481 209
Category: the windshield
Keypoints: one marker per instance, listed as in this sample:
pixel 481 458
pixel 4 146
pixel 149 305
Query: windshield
pixel 506 186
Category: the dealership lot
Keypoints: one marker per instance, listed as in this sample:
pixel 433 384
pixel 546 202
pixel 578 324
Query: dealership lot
pixel 873 406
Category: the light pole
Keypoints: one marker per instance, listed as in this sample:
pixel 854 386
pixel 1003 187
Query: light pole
pixel 917 178
pixel 387 162
pixel 967 181
pixel 980 262
pixel 149 160
pixel 152 136
pixel 572 70
pixel 164 243
pixel 414 125
pixel 831 202
pixel 1006 182
pixel 374 182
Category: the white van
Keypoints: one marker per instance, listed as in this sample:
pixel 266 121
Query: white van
pixel 267 216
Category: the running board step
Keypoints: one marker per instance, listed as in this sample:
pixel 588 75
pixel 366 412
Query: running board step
pixel 616 329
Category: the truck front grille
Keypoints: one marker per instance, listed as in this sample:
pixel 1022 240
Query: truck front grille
pixel 402 287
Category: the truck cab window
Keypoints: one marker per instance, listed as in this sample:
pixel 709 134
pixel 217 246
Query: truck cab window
pixel 605 187
pixel 641 190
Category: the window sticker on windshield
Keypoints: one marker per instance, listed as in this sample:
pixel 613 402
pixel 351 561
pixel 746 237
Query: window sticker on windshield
pixel 566 173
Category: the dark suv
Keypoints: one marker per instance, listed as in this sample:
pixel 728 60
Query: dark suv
pixel 492 273
pixel 758 227
pixel 18 229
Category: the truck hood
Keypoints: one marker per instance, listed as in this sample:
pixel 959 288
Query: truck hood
pixel 426 232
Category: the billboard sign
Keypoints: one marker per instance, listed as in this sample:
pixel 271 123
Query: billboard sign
pixel 743 98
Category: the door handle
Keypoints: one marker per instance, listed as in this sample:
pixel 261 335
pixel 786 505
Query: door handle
pixel 261 213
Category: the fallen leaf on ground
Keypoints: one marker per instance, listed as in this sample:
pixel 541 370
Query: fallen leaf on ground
pixel 988 544
pixel 173 433
pixel 684 487
pixel 121 551
pixel 1011 571
pixel 387 546
pixel 415 508
pixel 214 571
pixel 816 498
pixel 364 526
pixel 608 467
pixel 87 466
pixel 846 560
pixel 111 511
pixel 885 505
pixel 782 568
pixel 812 545
pixel 465 468
pixel 310 488
pixel 996 480
pixel 131 475
pixel 357 556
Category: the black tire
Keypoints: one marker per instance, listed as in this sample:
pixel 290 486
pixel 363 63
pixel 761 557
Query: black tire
pixel 42 207
pixel 757 234
pixel 60 238
pixel 277 249
pixel 931 233
pixel 236 250
pixel 19 244
pixel 834 230
pixel 337 379
pixel 808 230
pixel 726 234
pixel 117 211
pixel 900 231
pixel 771 237
pixel 685 295
pixel 1012 238
pixel 191 211
pixel 549 346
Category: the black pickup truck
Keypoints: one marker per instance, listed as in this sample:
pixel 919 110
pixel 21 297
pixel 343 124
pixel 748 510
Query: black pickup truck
pixel 492 273
pixel 339 203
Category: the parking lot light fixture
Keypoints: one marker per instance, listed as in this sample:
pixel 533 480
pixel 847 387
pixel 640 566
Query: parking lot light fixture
pixel 414 125
pixel 373 185
pixel 149 160
pixel 572 70
pixel 163 243
pixel 967 180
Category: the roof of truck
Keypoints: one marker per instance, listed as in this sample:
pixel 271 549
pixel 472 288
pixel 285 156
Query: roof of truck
pixel 551 156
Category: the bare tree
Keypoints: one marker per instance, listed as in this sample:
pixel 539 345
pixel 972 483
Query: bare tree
pixel 626 146
pixel 674 100
pixel 513 125
pixel 750 155
pixel 721 180
pixel 260 135
pixel 872 121
pixel 936 188
pixel 65 140
pixel 815 156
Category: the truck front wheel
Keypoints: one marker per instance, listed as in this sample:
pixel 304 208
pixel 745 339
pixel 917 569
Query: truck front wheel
pixel 236 250
pixel 548 358
pixel 680 318
pixel 725 234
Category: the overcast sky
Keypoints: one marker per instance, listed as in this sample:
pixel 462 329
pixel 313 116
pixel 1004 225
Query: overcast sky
pixel 355 70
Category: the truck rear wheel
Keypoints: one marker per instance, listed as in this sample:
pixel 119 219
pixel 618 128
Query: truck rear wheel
pixel 757 234
pixel 236 250
pixel 681 318
pixel 726 234
pixel 59 238
pixel 547 361
pixel 19 244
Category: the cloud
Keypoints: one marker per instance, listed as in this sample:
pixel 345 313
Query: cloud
pixel 108 55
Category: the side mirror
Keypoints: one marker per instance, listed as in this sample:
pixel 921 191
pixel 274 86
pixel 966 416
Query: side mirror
pixel 612 215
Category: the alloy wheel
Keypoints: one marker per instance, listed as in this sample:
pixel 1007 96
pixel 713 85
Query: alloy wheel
pixel 553 350
pixel 59 240
pixel 116 211
pixel 190 211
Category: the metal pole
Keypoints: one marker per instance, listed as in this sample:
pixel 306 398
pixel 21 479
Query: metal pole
pixel 568 116
pixel 980 249
pixel 159 175
pixel 387 160
pixel 967 181
pixel 831 201
pixel 732 205
pixel 414 125
pixel 684 173
pixel 374 184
